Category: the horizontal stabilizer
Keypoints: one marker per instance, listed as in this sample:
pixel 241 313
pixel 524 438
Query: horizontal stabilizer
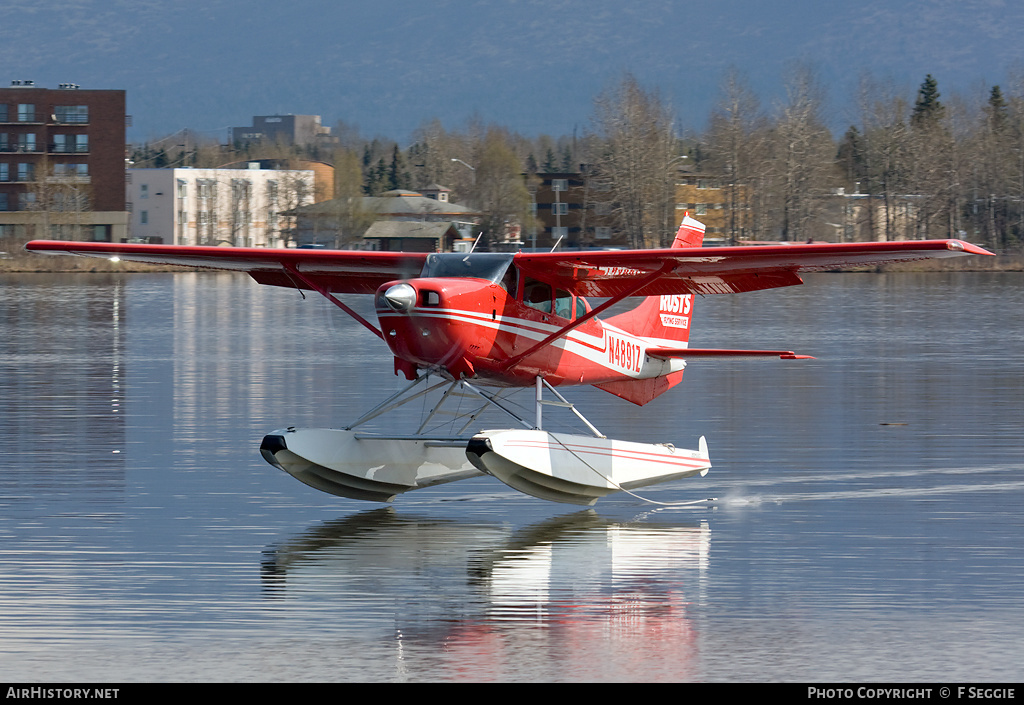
pixel 684 353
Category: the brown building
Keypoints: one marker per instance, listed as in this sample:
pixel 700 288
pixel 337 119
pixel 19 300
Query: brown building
pixel 570 207
pixel 62 162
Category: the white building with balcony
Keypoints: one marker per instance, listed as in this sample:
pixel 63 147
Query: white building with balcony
pixel 237 207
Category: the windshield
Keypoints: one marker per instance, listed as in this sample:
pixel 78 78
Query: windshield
pixel 480 265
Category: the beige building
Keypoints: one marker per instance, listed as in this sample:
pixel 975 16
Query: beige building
pixel 705 198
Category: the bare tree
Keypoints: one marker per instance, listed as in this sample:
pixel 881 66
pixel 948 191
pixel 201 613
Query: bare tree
pixel 886 152
pixel 241 212
pixel 802 154
pixel 736 140
pixel 499 189
pixel 351 217
pixel 636 144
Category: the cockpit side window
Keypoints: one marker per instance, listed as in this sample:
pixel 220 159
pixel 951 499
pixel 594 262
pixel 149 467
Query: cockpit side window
pixel 563 303
pixel 582 307
pixel 537 295
pixel 540 296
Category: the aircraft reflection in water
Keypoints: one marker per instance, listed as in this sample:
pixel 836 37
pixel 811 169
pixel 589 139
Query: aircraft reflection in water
pixel 576 576
pixel 483 323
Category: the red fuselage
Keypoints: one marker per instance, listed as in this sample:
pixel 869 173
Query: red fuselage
pixel 477 328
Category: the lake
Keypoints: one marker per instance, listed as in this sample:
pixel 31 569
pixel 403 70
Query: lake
pixel 868 523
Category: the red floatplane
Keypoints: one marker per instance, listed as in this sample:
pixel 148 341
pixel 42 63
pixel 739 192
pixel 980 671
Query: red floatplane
pixel 480 323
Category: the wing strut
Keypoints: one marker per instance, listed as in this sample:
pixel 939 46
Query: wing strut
pixel 293 272
pixel 561 332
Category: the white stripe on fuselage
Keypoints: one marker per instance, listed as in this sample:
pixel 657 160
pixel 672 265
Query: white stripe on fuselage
pixel 592 348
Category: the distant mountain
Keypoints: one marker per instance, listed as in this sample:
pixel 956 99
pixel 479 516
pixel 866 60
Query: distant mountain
pixel 532 65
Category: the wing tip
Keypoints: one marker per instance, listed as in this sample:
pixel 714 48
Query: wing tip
pixel 967 248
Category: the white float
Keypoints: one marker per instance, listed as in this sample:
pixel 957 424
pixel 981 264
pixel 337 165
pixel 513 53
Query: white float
pixel 580 469
pixel 365 466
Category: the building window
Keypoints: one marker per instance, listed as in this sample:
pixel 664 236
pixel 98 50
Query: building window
pixel 27 142
pixel 144 217
pixel 602 233
pixel 26 171
pixel 5 172
pixel 3 207
pixel 68 144
pixel 71 169
pixel 560 232
pixel 559 184
pixel 700 209
pixel 71 114
pixel 26 112
pixel 143 190
pixel 560 209
pixel 3 112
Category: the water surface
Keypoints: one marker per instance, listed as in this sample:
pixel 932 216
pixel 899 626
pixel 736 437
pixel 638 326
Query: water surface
pixel 868 525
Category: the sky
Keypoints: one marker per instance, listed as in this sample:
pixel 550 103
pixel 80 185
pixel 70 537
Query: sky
pixel 534 66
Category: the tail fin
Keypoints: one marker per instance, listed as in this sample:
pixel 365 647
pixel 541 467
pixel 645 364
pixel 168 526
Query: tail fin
pixel 690 233
pixel 664 317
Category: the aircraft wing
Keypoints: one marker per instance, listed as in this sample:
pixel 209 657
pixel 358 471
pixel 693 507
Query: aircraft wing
pixel 721 270
pixel 338 271
pixel 707 270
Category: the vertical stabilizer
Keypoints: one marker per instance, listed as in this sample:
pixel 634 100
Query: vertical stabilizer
pixel 666 318
pixel 690 233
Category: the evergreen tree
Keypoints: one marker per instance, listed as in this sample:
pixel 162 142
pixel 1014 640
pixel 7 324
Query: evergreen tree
pixel 928 111
pixel 549 162
pixel 998 110
pixel 850 156
pixel 567 165
pixel 398 177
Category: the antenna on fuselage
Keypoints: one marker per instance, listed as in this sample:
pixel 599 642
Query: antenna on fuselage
pixel 557 243
pixel 475 242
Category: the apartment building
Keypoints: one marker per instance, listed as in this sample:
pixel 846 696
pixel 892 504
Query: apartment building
pixel 571 207
pixel 300 130
pixel 238 207
pixel 62 162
